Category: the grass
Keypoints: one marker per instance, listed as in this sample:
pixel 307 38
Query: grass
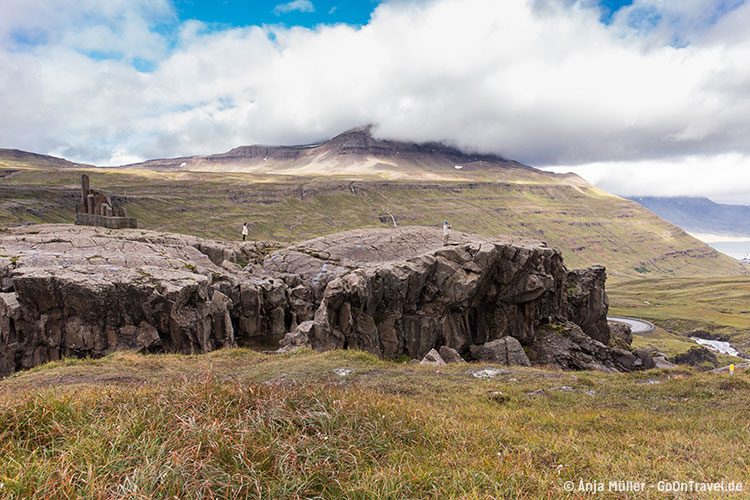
pixel 586 224
pixel 236 423
pixel 720 305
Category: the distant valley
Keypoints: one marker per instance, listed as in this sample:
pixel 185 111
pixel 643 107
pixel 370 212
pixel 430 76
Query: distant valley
pixel 701 215
pixel 725 227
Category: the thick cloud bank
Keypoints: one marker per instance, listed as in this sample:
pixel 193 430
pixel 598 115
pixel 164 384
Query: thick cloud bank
pixel 723 178
pixel 542 81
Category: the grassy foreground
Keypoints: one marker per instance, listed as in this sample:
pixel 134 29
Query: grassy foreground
pixel 236 423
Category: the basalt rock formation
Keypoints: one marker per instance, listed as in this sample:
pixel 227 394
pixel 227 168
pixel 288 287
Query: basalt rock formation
pixel 87 291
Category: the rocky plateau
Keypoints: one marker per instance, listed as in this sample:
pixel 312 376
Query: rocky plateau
pixel 86 291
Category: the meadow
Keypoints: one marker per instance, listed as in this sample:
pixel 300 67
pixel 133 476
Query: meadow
pixel 237 423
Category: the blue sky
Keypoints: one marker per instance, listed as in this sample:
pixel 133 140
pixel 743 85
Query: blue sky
pixel 256 12
pixel 612 6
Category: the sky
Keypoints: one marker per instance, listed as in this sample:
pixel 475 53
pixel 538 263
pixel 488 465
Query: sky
pixel 238 13
pixel 642 97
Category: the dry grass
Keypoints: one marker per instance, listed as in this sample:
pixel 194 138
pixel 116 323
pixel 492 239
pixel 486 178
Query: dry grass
pixel 237 423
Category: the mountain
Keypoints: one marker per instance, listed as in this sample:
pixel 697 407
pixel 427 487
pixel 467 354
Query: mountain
pixel 16 157
pixel 355 153
pixel 356 181
pixel 700 215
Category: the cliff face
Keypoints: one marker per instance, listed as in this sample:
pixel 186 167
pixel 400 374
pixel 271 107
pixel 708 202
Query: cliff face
pixel 82 291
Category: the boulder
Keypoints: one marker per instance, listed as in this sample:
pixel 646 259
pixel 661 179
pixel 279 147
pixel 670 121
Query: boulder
pixel 621 334
pixel 507 351
pixel 661 363
pixel 299 337
pixel 699 357
pixel 705 335
pixel 450 355
pixel 432 358
pixel 565 345
pixel 645 359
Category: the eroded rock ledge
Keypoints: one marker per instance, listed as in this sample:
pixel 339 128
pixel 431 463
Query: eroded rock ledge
pixel 85 291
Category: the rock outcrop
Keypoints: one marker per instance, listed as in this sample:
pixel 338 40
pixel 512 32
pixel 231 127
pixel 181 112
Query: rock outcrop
pixel 84 291
pixel 699 357
pixel 567 346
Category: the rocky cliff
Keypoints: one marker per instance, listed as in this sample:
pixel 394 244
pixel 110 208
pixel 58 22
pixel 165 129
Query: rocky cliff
pixel 85 291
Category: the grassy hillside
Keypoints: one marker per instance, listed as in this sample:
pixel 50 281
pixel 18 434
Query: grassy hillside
pixel 720 305
pixel 588 225
pixel 236 423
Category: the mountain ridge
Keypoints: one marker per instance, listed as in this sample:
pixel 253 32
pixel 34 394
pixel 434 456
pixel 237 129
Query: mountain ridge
pixel 18 156
pixel 353 151
pixel 700 214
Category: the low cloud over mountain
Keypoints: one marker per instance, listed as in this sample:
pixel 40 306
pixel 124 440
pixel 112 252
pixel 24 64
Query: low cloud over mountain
pixel 543 82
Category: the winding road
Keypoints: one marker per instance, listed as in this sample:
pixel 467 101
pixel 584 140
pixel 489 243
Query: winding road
pixel 636 325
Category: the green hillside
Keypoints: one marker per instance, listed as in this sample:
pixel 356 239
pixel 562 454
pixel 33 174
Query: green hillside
pixel 587 224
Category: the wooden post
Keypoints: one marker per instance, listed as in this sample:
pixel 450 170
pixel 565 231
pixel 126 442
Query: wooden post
pixel 85 187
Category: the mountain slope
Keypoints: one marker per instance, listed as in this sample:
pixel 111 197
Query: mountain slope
pixel 700 215
pixel 18 158
pixel 353 154
pixel 350 188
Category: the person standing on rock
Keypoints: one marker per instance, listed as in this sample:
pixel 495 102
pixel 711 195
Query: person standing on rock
pixel 446 232
pixel 245 231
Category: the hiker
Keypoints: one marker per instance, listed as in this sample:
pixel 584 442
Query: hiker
pixel 245 231
pixel 446 232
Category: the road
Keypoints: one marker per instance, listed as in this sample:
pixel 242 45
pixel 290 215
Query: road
pixel 636 325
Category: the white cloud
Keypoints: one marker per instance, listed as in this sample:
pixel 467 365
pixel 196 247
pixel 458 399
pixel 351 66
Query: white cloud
pixel 294 6
pixel 541 81
pixel 724 178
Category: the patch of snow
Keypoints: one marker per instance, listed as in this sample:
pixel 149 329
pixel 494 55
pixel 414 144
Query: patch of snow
pixel 343 372
pixel 183 164
pixel 487 373
pixel 650 382
pixel 458 167
pixel 717 345
pixel 565 388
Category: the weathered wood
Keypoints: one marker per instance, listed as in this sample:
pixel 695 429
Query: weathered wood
pixel 85 188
